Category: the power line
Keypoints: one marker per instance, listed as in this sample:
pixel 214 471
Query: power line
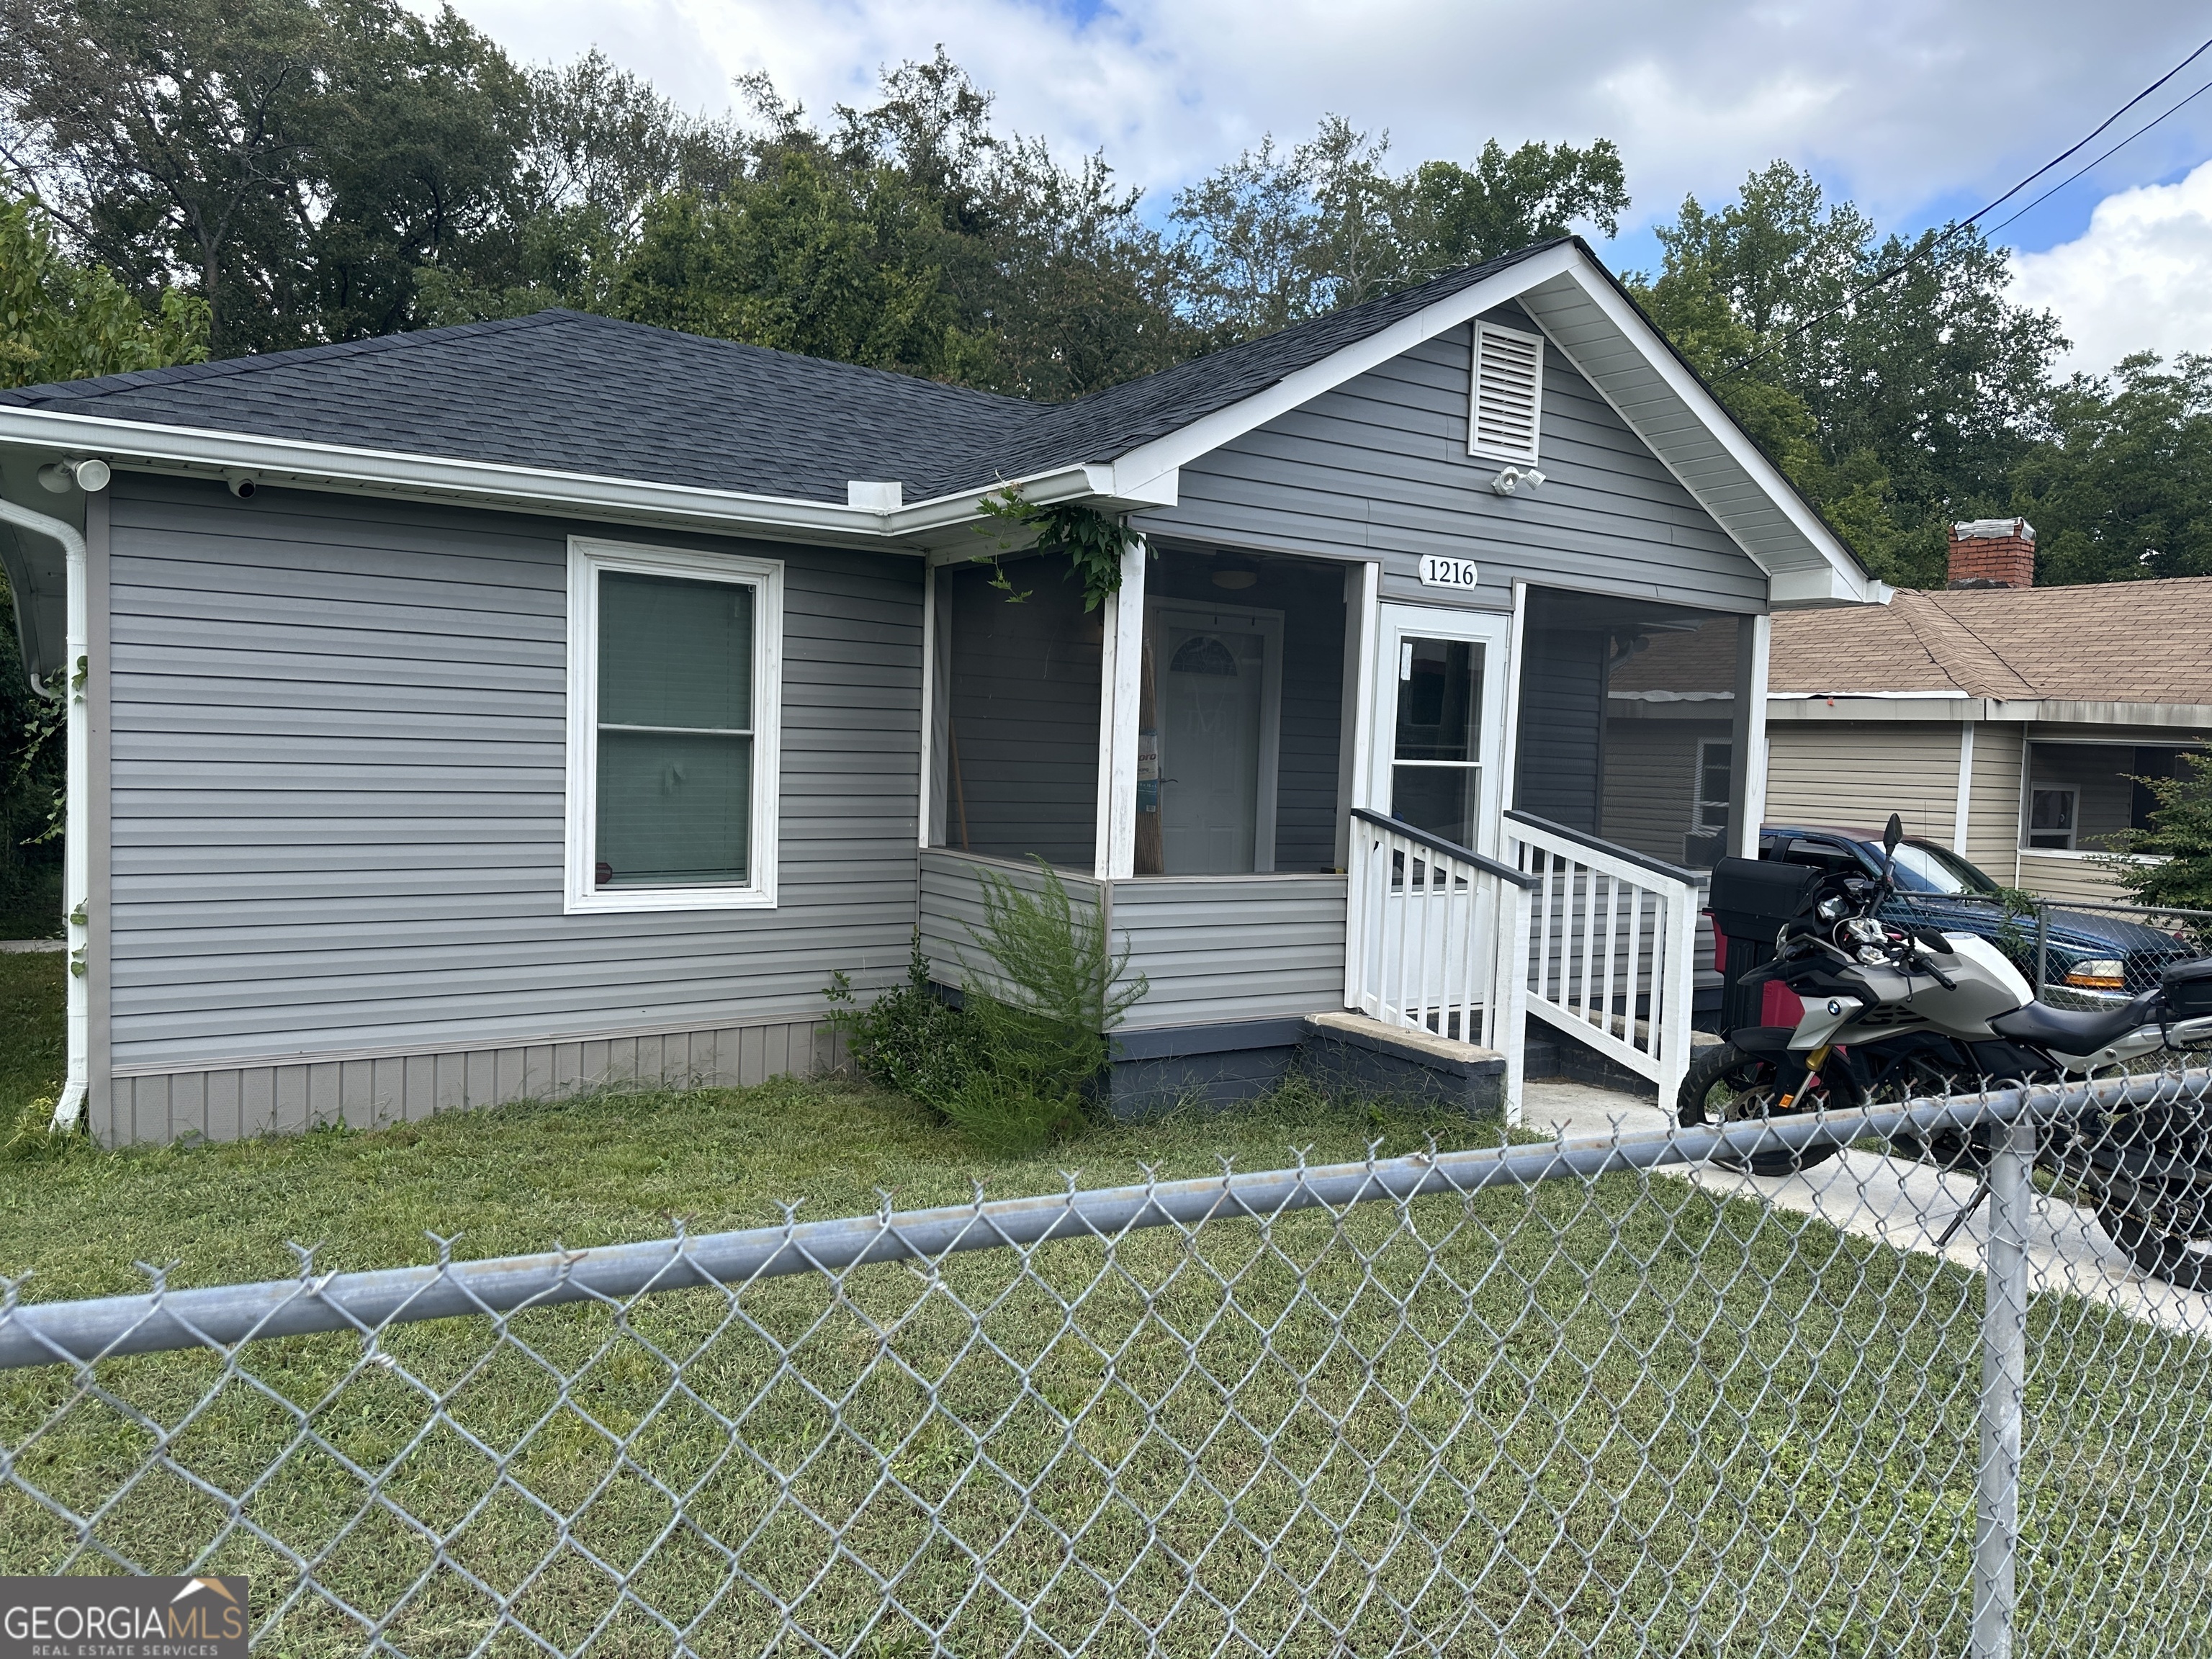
pixel 1915 257
pixel 2093 165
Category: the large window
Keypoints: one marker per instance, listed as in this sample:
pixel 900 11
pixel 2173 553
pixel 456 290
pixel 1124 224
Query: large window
pixel 2081 795
pixel 672 702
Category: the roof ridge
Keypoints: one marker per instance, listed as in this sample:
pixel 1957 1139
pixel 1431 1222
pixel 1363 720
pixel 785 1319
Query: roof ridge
pixel 250 362
pixel 1972 664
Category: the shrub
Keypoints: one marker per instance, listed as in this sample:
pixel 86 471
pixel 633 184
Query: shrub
pixel 1014 1065
pixel 1049 992
pixel 909 1039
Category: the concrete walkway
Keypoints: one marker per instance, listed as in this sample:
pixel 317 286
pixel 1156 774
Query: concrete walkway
pixel 18 947
pixel 1903 1204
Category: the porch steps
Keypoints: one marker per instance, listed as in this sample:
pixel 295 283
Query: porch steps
pixel 1351 1051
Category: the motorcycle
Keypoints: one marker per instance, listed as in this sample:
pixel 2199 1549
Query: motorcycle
pixel 1894 1011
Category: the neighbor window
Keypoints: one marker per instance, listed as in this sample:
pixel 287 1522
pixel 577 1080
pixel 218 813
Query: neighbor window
pixel 673 702
pixel 2084 796
pixel 1711 810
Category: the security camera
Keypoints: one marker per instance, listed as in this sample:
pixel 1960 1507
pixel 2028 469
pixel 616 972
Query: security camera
pixel 242 484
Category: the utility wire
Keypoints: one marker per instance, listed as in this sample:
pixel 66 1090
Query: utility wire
pixel 1914 257
pixel 2106 156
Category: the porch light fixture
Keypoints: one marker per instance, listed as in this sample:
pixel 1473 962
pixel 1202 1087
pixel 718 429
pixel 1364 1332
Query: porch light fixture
pixel 1514 477
pixel 1234 572
pixel 89 475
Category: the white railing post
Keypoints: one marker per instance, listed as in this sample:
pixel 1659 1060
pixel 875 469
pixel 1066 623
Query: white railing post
pixel 1594 897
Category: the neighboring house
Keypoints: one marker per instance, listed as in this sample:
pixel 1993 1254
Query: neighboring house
pixel 2007 721
pixel 494 710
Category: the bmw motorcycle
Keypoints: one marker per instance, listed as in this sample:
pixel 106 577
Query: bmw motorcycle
pixel 1894 1011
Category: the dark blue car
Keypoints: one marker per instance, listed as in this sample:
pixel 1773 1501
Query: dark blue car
pixel 2091 960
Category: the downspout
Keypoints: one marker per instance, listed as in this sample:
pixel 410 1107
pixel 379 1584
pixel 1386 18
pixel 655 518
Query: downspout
pixel 76 861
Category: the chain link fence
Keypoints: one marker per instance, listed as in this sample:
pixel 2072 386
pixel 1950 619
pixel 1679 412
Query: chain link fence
pixel 1582 1396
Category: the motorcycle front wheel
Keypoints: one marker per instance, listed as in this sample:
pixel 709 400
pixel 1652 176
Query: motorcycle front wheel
pixel 1726 1085
pixel 2169 1237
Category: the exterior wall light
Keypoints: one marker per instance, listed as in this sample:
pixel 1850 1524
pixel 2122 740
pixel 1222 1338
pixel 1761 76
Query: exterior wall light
pixel 1513 478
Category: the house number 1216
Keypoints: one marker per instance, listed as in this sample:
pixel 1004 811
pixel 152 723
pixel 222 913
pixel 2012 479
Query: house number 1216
pixel 1438 572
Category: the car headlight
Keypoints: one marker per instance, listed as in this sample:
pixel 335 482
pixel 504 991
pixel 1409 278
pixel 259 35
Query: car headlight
pixel 2098 974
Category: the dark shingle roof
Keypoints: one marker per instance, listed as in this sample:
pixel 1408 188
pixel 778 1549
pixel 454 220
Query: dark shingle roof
pixel 573 392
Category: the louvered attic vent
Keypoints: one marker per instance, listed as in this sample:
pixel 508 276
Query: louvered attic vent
pixel 1508 393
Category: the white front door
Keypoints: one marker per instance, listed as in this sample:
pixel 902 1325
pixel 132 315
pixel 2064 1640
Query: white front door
pixel 1438 744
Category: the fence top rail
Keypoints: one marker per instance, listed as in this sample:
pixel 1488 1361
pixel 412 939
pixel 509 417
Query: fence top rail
pixel 82 1331
pixel 1450 849
pixel 1610 849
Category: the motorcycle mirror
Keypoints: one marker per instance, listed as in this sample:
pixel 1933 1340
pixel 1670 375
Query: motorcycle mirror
pixel 1892 833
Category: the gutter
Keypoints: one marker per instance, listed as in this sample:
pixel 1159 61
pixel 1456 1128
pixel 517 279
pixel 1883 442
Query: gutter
pixel 194 451
pixel 77 859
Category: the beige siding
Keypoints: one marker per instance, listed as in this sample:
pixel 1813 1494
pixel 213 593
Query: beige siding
pixel 1993 818
pixel 2055 875
pixel 1853 774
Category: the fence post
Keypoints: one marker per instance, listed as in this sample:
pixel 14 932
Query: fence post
pixel 2004 1385
pixel 2042 947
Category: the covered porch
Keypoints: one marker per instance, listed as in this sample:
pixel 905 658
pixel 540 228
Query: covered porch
pixel 1296 786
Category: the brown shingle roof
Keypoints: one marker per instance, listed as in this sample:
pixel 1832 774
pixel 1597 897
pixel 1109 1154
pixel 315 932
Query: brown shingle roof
pixel 2147 641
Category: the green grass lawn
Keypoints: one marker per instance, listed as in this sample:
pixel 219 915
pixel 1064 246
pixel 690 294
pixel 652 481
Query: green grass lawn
pixel 1611 1417
pixel 33 1051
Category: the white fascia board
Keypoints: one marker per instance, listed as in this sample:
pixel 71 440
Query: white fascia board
pixel 1933 705
pixel 317 465
pixel 1848 584
pixel 1209 433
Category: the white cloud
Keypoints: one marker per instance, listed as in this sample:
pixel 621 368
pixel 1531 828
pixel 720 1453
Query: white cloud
pixel 1904 103
pixel 2140 277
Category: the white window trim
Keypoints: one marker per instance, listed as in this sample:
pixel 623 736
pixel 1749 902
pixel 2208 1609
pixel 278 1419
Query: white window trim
pixel 2074 812
pixel 587 557
pixel 1475 446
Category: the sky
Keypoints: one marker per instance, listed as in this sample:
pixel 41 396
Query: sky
pixel 1919 111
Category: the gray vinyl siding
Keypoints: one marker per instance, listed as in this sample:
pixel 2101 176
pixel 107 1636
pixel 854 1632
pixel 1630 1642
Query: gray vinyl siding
pixel 339 787
pixel 1023 733
pixel 1214 949
pixel 1217 948
pixel 1560 751
pixel 1379 467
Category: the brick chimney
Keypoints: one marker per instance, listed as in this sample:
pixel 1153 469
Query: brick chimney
pixel 1993 553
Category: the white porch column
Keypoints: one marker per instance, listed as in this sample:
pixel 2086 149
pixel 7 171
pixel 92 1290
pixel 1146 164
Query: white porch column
pixel 1120 678
pixel 1748 788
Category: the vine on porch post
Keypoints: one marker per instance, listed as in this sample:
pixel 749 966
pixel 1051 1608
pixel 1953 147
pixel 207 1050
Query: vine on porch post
pixel 1092 540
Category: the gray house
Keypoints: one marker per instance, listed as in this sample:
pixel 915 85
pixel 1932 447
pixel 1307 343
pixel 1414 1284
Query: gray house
pixel 491 711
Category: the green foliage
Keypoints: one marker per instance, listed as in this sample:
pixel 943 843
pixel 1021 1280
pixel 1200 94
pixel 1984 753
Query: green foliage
pixel 1895 410
pixel 2125 489
pixel 62 321
pixel 1049 990
pixel 1013 1065
pixel 1277 236
pixel 909 1039
pixel 1093 541
pixel 2180 836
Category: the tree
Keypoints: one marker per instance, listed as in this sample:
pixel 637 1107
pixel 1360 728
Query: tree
pixel 62 321
pixel 1891 380
pixel 1275 237
pixel 2124 490
pixel 169 135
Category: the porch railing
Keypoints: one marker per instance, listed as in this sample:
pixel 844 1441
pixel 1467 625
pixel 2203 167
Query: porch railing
pixel 1612 952
pixel 1438 939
